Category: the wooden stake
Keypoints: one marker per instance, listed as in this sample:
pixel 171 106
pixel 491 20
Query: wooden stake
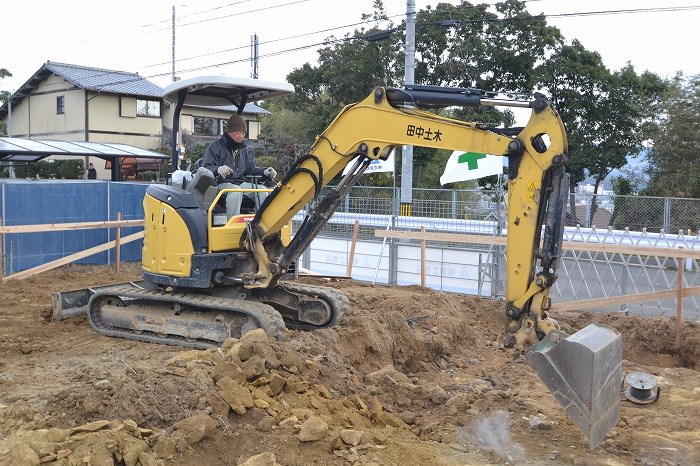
pixel 351 258
pixel 117 244
pixel 679 253
pixel 679 301
pixel 623 299
pixel 2 257
pixel 566 245
pixel 422 257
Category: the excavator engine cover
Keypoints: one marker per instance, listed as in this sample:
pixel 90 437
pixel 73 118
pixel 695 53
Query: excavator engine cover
pixel 584 372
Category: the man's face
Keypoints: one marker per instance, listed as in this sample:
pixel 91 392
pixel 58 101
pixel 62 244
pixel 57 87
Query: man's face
pixel 237 136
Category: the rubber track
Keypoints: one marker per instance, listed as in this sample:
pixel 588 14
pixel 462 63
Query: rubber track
pixel 266 316
pixel 340 304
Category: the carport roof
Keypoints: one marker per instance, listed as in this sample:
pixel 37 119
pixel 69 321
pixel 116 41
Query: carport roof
pixel 32 150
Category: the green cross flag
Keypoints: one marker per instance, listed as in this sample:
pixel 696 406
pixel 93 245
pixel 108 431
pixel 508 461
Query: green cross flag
pixel 463 166
pixel 471 159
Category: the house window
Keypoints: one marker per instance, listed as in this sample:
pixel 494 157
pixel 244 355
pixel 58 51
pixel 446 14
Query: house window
pixel 148 108
pixel 208 126
pixel 60 105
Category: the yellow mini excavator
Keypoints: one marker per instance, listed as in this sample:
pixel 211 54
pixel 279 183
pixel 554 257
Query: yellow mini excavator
pixel 206 280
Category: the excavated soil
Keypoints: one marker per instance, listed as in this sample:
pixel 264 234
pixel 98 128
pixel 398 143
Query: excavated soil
pixel 415 377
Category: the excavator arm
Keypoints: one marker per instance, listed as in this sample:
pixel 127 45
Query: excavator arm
pixel 389 118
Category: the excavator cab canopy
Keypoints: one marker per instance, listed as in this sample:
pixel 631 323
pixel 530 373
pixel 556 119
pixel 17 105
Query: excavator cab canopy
pixel 214 91
pixel 224 90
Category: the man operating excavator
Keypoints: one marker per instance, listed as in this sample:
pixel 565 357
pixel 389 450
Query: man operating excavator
pixel 230 160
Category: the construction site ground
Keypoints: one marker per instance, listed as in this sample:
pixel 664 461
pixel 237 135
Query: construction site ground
pixel 415 377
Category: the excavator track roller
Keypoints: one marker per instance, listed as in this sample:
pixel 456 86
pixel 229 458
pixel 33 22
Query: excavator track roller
pixel 174 318
pixel 315 306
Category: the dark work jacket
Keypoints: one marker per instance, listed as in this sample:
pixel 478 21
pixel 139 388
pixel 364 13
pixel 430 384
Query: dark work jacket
pixel 221 152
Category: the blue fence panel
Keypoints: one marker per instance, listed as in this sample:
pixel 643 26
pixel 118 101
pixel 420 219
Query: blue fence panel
pixel 29 202
pixel 126 198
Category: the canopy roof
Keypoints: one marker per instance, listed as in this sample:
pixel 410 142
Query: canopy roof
pixel 21 150
pixel 32 150
pixel 224 90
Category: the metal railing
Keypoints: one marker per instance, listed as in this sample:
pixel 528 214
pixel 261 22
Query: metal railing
pixel 624 220
pixel 602 211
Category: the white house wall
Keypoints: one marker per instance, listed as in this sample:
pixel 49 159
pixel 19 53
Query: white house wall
pixel 19 126
pixel 108 125
pixel 36 117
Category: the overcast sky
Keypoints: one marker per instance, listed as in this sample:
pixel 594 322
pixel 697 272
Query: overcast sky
pixel 137 36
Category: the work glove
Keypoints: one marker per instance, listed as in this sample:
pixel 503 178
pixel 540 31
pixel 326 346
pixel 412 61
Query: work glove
pixel 224 171
pixel 270 173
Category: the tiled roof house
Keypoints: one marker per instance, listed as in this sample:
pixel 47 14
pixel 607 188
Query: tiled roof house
pixel 79 103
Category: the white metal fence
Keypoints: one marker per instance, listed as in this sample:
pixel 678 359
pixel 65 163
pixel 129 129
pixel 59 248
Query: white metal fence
pixel 479 269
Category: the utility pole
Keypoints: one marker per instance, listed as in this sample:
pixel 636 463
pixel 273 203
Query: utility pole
pixel 9 132
pixel 407 151
pixel 254 56
pixel 173 43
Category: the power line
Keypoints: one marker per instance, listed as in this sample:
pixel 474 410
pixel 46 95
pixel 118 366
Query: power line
pixel 199 13
pixel 240 13
pixel 629 11
pixel 139 31
pixel 531 18
pixel 243 60
pixel 261 43
pixel 330 42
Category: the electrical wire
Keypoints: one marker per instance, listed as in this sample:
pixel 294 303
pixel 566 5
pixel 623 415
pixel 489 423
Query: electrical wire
pixel 329 42
pixel 498 20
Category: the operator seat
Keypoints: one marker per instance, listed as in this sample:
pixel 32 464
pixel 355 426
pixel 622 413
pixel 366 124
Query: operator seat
pixel 202 186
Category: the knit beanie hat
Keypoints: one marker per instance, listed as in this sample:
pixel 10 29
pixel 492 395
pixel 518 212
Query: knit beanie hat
pixel 236 123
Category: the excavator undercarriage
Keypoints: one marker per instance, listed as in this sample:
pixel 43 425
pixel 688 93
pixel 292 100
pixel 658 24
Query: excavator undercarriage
pixel 198 318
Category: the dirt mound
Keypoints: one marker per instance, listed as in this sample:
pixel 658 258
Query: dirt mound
pixel 414 377
pixel 651 340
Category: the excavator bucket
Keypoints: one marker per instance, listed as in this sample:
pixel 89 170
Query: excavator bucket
pixel 584 372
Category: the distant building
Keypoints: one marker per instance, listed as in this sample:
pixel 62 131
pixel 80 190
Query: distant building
pixel 589 188
pixel 78 103
pixel 602 218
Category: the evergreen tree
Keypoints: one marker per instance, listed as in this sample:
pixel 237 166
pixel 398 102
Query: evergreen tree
pixel 606 114
pixel 674 162
pixel 4 97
